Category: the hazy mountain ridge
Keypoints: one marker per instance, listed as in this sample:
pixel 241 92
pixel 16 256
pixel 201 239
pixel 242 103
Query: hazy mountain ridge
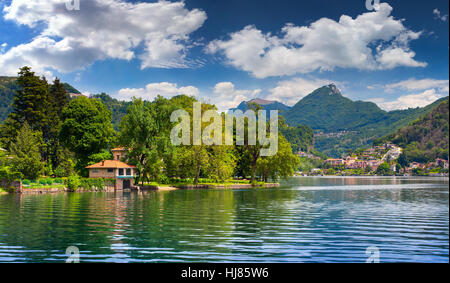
pixel 265 104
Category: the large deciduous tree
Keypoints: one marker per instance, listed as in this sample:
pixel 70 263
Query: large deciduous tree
pixel 145 132
pixel 86 129
pixel 282 165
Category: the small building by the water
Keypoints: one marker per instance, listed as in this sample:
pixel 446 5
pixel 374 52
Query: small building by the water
pixel 114 169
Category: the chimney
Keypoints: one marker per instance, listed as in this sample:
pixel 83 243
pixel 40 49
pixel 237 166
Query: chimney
pixel 103 163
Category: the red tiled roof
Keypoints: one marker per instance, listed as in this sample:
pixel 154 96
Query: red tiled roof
pixel 110 164
pixel 118 149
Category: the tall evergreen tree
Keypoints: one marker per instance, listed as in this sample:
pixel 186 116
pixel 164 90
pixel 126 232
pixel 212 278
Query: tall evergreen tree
pixel 29 105
pixel 58 97
pixel 57 100
pixel 31 100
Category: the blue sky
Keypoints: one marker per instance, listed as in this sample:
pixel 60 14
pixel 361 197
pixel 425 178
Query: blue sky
pixel 395 55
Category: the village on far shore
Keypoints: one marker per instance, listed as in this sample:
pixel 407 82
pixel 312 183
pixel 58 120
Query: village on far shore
pixel 382 160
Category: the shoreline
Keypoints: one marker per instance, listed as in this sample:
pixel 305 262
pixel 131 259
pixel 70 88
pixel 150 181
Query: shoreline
pixel 205 186
pixel 147 188
pixel 174 187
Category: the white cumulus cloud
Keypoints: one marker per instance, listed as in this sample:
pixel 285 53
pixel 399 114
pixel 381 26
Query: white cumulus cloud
pixel 409 101
pixel 422 84
pixel 226 96
pixel 292 91
pixel 101 29
pixel 152 90
pixel 437 15
pixel 371 41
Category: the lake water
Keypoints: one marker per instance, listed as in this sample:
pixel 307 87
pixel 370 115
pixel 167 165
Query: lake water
pixel 305 220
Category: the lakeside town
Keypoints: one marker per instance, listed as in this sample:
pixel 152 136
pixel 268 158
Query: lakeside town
pixel 376 160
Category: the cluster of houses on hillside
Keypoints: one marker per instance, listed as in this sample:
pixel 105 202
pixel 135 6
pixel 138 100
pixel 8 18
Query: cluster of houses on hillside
pixel 373 157
pixel 333 135
pixel 307 155
pixel 370 158
pixel 354 163
pixel 438 163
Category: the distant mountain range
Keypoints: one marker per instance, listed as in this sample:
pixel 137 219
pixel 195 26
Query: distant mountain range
pixel 265 104
pixel 358 123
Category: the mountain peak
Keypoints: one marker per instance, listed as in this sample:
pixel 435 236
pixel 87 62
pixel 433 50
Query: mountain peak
pixel 265 104
pixel 261 101
pixel 333 89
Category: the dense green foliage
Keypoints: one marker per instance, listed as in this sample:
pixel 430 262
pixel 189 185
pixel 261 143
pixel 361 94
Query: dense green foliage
pixel 8 88
pixel 425 139
pixel 48 135
pixel 117 108
pixel 146 128
pixel 145 131
pixel 300 137
pixel 86 129
pixel 384 169
pixel 7 173
pixel 25 152
pixel 283 164
pixel 73 183
pixel 39 105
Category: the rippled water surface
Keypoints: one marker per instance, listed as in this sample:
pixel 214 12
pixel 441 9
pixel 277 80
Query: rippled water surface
pixel 305 220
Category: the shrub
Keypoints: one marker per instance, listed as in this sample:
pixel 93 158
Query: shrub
pixel 26 182
pixel 92 184
pixel 98 184
pixel 73 182
pixel 42 181
pixel 163 179
pixel 85 184
pixel 58 181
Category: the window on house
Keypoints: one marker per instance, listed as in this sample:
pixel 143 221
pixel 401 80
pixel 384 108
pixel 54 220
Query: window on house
pixel 118 157
pixel 110 170
pixel 95 171
pixel 128 172
pixel 120 172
